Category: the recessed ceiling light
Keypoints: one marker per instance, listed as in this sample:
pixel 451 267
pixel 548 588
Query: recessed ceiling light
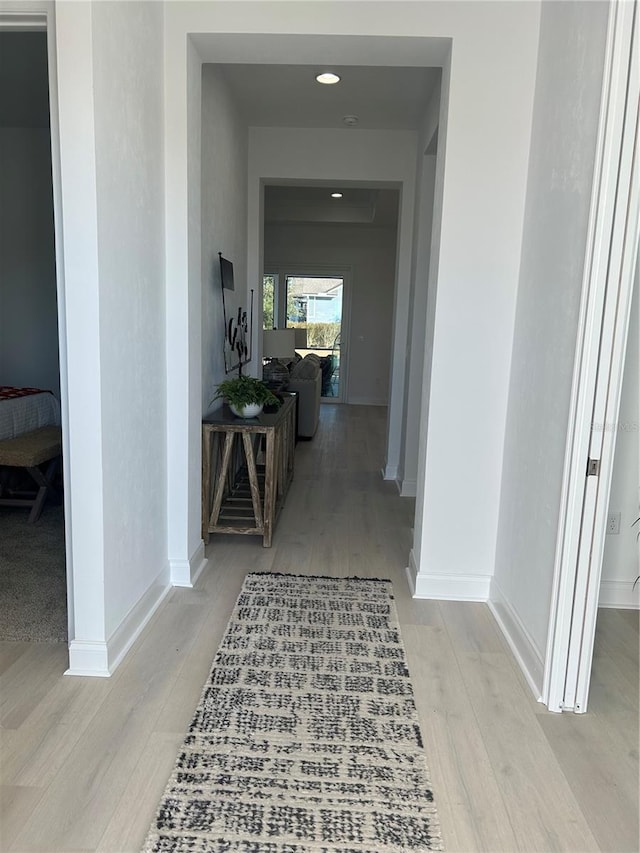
pixel 336 195
pixel 328 78
pixel 350 121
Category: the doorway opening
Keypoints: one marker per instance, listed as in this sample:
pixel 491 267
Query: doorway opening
pixel 332 272
pixel 314 305
pixel 34 555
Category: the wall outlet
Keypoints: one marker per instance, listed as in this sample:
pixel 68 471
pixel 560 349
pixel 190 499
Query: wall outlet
pixel 613 523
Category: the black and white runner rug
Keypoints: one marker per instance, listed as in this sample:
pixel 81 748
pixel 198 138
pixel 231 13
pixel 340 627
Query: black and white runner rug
pixel 306 737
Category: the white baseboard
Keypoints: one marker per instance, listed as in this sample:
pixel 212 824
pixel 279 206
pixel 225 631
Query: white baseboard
pixel 101 659
pixel 137 618
pixel 199 561
pixel 412 572
pixel 619 594
pixel 366 401
pixel 407 488
pixel 186 572
pixel 447 587
pixel 526 653
pixel 88 657
pixel 390 472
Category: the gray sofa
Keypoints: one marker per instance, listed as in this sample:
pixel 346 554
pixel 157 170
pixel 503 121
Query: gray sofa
pixel 305 377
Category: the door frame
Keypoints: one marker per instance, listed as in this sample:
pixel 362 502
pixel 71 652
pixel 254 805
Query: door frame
pixel 39 15
pixel 612 246
pixel 275 275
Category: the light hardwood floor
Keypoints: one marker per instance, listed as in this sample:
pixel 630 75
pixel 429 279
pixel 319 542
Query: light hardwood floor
pixel 85 761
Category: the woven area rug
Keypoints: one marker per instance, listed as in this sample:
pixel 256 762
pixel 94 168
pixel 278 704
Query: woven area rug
pixel 306 737
pixel 33 581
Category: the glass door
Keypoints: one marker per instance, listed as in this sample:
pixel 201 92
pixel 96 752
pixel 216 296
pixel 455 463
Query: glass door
pixel 315 304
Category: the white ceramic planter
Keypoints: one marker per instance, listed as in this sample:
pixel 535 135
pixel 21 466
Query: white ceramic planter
pixel 251 410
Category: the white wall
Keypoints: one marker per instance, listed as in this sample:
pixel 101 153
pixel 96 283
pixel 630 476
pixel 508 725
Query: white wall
pixel 111 144
pixel 83 437
pixel 620 561
pixel 28 310
pixel 415 384
pixel 568 86
pixel 487 103
pixel 369 254
pixel 224 218
pixel 430 320
pixel 127 51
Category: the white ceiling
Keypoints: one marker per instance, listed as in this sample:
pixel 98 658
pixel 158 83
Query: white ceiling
pixel 313 204
pixel 388 97
pixel 383 97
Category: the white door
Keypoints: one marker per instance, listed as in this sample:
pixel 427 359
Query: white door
pixel 613 245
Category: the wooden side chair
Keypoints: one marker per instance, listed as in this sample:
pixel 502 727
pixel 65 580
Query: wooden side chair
pixel 31 451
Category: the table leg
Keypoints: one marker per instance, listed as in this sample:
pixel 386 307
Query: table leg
pixel 207 439
pixel 270 477
pixel 253 479
pixel 222 477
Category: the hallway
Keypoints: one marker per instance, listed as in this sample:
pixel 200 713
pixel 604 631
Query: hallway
pixel 85 761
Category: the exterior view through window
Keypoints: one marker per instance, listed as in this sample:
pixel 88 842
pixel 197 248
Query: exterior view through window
pixel 315 304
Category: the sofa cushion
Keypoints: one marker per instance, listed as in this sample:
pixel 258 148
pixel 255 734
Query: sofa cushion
pixel 313 357
pixel 307 368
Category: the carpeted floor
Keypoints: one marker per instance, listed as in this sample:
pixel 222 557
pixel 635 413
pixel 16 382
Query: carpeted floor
pixel 306 737
pixel 33 591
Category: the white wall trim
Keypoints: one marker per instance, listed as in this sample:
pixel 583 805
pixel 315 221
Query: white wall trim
pixel 367 401
pixel 390 472
pixel 137 618
pixel 186 572
pixel 407 488
pixel 74 160
pixel 88 657
pixel 447 587
pixel 619 594
pixel 100 659
pixel 24 15
pixel 524 650
pixel 412 572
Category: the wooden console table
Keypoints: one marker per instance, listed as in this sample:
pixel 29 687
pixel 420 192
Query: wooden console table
pixel 254 468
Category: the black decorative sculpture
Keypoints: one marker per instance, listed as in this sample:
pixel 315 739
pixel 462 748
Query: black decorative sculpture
pixel 238 325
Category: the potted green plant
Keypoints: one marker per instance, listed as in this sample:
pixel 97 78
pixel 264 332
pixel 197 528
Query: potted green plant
pixel 246 396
